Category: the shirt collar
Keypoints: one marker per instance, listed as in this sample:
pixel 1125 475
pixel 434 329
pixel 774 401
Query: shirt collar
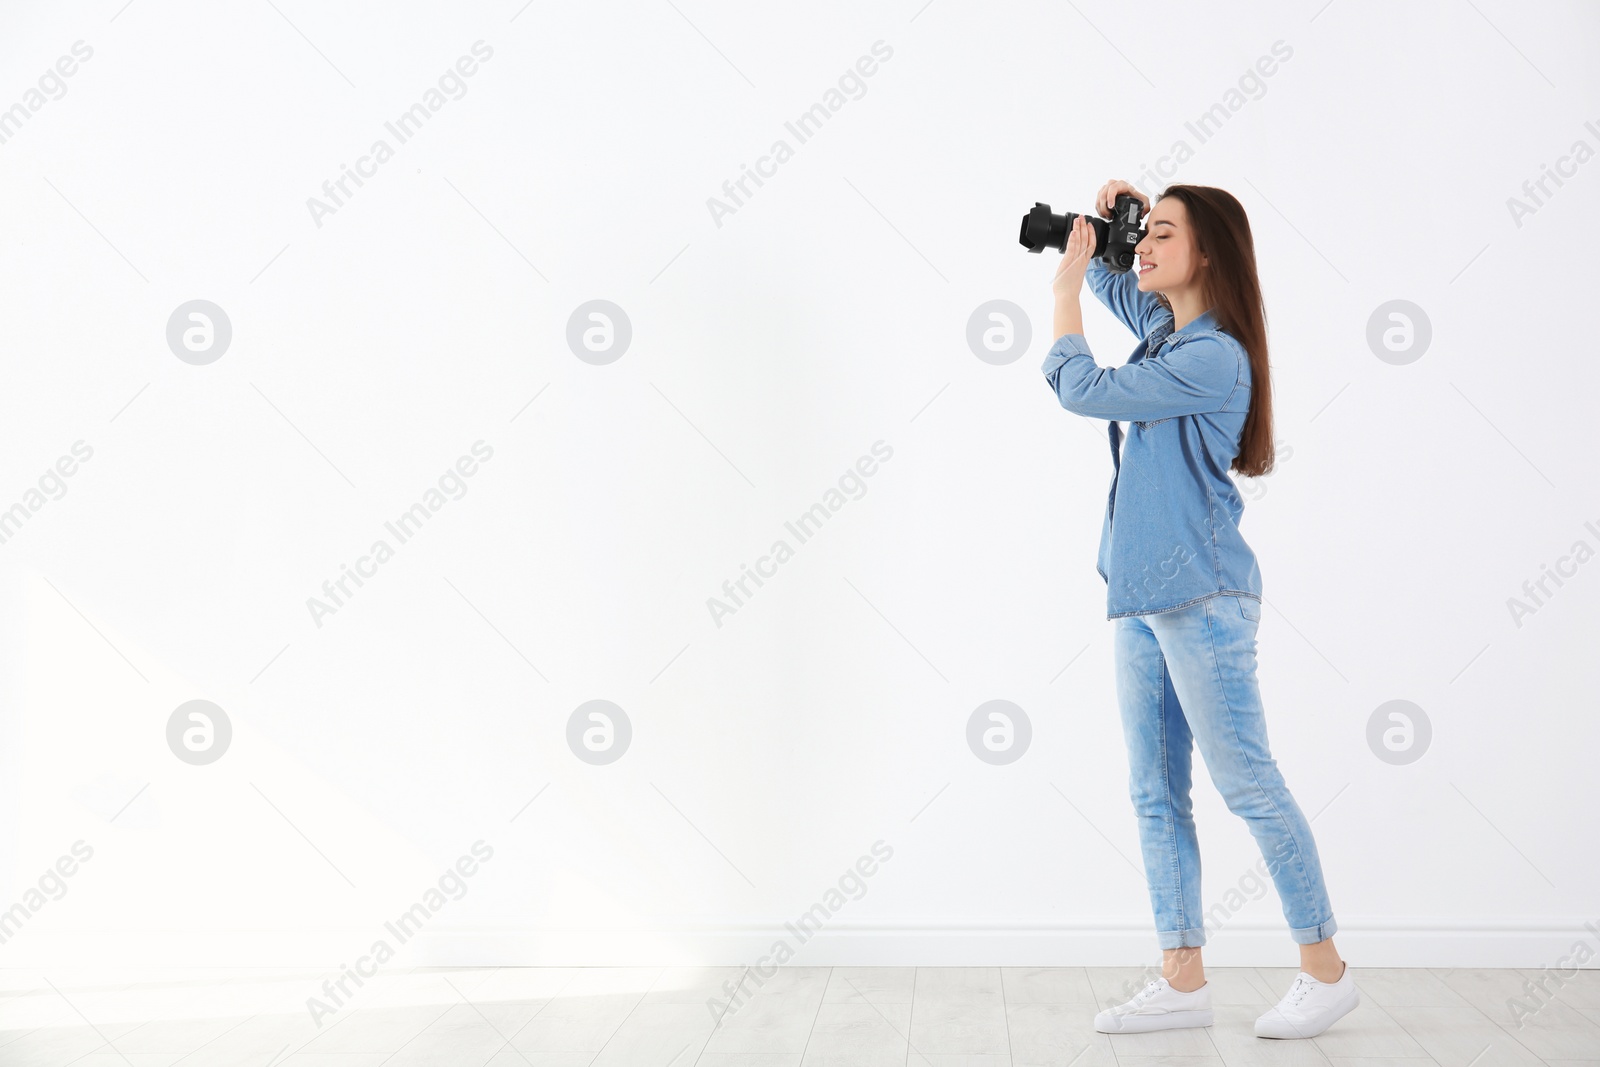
pixel 1206 320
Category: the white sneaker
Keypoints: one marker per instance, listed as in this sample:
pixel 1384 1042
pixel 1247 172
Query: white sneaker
pixel 1157 1007
pixel 1310 1006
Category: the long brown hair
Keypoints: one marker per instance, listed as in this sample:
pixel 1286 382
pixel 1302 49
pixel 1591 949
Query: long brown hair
pixel 1231 288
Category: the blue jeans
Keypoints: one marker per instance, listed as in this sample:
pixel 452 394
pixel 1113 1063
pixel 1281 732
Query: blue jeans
pixel 1190 675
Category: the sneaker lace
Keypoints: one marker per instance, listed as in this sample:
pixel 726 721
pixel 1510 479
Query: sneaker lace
pixel 1298 991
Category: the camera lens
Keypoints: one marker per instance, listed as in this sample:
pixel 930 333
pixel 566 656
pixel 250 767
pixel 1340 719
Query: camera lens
pixel 1041 229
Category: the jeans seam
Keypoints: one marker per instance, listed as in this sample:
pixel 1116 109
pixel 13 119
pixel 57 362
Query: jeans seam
pixel 1216 666
pixel 1166 781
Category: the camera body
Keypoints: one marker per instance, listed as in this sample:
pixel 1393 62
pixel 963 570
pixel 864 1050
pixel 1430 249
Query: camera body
pixel 1114 238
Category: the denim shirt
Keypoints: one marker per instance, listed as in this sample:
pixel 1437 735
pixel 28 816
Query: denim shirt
pixel 1171 532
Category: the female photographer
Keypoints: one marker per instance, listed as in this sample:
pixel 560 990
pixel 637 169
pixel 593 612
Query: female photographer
pixel 1183 587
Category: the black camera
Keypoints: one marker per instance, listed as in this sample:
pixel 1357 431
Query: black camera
pixel 1114 239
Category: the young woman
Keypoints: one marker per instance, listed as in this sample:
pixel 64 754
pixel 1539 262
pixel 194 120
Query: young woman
pixel 1183 587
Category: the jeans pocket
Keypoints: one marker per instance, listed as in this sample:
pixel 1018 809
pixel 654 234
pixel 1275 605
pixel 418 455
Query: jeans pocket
pixel 1249 607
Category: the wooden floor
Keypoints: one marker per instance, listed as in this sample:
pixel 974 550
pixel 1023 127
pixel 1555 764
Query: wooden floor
pixel 800 1017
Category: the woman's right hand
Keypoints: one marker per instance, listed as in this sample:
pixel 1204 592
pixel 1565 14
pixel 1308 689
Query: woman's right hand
pixel 1108 197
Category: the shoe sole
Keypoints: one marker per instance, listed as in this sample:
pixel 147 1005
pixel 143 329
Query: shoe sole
pixel 1355 1002
pixel 1141 1024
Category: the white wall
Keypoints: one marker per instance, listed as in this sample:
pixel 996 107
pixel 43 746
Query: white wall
pixel 768 354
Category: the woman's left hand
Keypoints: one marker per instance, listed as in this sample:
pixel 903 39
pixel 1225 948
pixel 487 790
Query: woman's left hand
pixel 1074 259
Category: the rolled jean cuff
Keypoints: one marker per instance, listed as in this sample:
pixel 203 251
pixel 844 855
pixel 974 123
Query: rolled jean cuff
pixel 1310 935
pixel 1193 938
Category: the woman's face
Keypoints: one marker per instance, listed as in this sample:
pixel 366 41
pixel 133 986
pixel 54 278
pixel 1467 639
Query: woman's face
pixel 1168 258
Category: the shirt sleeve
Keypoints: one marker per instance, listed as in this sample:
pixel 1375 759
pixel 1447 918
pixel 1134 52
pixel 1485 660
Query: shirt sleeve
pixel 1121 296
pixel 1196 376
